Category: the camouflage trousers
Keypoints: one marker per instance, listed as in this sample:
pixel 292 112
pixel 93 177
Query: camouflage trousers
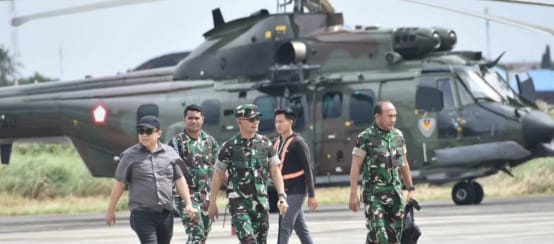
pixel 197 228
pixel 384 214
pixel 250 220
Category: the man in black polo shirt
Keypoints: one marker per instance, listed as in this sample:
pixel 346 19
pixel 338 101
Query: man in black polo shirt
pixel 149 168
pixel 297 174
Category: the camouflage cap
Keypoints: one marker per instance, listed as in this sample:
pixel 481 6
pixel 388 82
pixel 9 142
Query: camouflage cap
pixel 247 111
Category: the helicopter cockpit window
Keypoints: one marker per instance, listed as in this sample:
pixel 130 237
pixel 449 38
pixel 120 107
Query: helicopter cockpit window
pixel 332 105
pixel 266 106
pixel 445 86
pixel 500 85
pixel 211 109
pixel 478 87
pixel 361 107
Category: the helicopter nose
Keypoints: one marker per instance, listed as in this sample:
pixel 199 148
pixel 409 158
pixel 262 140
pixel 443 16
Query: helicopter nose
pixel 537 127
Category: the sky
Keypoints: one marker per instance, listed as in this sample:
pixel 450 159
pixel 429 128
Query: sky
pixel 111 41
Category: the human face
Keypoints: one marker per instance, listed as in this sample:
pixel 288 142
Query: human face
pixel 387 118
pixel 282 124
pixel 249 125
pixel 194 121
pixel 148 137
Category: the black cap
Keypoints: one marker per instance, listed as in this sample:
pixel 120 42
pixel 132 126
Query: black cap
pixel 149 121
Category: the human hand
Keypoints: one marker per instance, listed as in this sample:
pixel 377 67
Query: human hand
pixel 354 203
pixel 213 211
pixel 312 203
pixel 110 218
pixel 191 212
pixel 282 205
pixel 411 195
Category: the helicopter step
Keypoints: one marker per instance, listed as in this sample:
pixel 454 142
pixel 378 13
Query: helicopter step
pixel 467 192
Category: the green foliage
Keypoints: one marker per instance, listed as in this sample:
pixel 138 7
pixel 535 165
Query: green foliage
pixel 35 78
pixel 41 171
pixel 8 68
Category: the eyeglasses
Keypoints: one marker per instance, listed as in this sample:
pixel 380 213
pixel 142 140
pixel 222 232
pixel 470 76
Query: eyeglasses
pixel 253 119
pixel 147 131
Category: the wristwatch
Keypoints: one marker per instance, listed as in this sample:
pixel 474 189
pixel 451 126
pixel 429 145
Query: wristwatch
pixel 282 194
pixel 411 188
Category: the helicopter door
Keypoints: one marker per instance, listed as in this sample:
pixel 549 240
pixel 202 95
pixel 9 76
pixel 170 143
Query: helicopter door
pixel 438 129
pixel 360 116
pixel 331 146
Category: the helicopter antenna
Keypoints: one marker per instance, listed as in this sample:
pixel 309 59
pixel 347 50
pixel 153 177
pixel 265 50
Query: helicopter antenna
pixel 283 5
pixel 491 64
pixel 487 29
pixel 15 42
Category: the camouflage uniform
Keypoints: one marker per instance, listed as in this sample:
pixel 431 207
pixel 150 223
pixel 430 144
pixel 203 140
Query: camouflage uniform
pixel 249 163
pixel 383 155
pixel 199 158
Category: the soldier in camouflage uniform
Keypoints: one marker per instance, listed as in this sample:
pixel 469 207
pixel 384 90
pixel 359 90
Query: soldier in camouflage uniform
pixel 248 158
pixel 198 151
pixel 380 152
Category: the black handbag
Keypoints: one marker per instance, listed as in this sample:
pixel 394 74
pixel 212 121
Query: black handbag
pixel 411 232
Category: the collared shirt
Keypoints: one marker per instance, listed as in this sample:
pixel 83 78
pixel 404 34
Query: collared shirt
pixel 248 162
pixel 198 156
pixel 149 176
pixel 383 154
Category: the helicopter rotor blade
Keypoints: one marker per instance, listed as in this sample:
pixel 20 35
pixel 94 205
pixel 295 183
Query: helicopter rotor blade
pixel 530 2
pixel 497 19
pixel 17 21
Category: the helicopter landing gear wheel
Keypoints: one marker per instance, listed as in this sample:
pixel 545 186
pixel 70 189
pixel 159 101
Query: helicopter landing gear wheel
pixel 479 193
pixel 463 193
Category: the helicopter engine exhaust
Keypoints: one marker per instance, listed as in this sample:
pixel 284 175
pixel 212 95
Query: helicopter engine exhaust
pixel 414 42
pixel 448 38
pixel 291 53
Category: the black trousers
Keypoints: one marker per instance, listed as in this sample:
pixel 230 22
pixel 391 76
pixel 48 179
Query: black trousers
pixel 152 227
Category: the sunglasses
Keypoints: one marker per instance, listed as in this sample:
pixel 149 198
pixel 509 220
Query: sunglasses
pixel 252 120
pixel 147 131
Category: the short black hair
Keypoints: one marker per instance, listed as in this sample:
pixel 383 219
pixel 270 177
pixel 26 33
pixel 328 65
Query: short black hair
pixel 192 107
pixel 289 114
pixel 378 108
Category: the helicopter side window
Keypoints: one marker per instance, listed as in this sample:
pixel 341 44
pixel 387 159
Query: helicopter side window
pixel 332 105
pixel 211 109
pixel 266 106
pixel 361 107
pixel 295 103
pixel 427 83
pixel 445 86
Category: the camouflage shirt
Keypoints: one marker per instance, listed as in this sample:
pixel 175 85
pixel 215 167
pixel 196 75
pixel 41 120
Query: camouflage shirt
pixel 198 161
pixel 383 153
pixel 249 163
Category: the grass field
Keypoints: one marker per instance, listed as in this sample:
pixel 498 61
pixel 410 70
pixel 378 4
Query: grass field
pixel 52 179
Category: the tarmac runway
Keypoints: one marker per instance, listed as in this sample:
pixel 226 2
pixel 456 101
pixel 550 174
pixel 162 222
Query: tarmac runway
pixel 511 220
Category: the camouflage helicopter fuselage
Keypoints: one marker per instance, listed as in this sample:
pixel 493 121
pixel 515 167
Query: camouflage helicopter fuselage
pixel 461 122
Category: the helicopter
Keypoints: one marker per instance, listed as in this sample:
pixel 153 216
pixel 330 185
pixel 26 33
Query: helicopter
pixel 461 120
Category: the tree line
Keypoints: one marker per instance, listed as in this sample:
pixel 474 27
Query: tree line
pixel 9 71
